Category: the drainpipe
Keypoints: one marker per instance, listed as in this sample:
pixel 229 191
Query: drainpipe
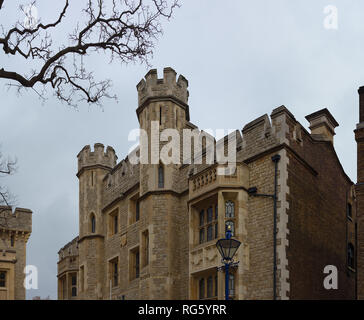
pixel 253 192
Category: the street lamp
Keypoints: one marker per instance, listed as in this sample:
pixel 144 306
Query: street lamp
pixel 227 248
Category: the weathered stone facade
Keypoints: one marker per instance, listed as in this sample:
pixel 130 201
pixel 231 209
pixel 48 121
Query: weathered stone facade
pixel 15 230
pixel 148 231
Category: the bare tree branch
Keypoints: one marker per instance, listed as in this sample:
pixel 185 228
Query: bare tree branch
pixel 7 167
pixel 125 30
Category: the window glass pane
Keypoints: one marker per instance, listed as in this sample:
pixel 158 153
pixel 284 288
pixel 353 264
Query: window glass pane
pixel 115 273
pixel 202 235
pixel 160 177
pixel 229 209
pixel 2 279
pixel 216 230
pixel 115 224
pixel 232 228
pixel 209 214
pixel 137 210
pixel 351 255
pixel 209 286
pixel 201 289
pixel 349 210
pixel 74 280
pixel 216 212
pixel 74 291
pixel 137 265
pixel 93 224
pixel 202 217
pixel 209 232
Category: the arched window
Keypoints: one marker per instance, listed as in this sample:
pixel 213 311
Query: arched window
pixel 229 209
pixel 230 224
pixel 93 223
pixel 160 176
pixel 351 263
pixel 201 288
pixel 12 240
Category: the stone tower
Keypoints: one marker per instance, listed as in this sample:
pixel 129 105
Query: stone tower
pixel 15 230
pixel 92 168
pixel 162 104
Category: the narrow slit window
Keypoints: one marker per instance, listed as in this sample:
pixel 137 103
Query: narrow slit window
pixel 351 262
pixel 93 224
pixel 160 177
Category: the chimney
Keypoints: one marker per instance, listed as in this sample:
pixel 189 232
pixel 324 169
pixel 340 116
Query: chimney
pixel 322 125
pixel 361 104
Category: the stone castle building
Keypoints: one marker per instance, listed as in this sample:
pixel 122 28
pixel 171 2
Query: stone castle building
pixel 148 231
pixel 15 230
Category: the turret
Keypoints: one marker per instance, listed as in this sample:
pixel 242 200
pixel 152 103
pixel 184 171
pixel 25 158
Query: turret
pixel 164 100
pixel 92 168
pixel 98 157
pixel 162 104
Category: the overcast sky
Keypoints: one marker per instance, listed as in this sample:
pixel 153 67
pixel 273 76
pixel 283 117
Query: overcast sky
pixel 241 58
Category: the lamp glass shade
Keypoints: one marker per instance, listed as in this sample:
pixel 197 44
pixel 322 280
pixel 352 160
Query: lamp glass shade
pixel 227 248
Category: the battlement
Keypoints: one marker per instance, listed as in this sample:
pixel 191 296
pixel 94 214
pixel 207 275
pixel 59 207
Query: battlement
pixel 19 220
pixel 87 158
pixel 168 87
pixel 70 249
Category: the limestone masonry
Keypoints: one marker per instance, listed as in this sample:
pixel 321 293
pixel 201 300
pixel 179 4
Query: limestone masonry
pixel 15 230
pixel 148 231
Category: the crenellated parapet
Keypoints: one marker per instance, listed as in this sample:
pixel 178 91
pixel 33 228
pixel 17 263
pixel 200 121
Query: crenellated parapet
pixel 151 88
pixel 98 157
pixel 18 221
pixel 70 249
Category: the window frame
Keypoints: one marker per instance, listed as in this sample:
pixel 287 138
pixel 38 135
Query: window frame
pixel 3 281
pixel 73 285
pixel 113 222
pixel 207 224
pixel 230 217
pixel 134 263
pixel 349 211
pixel 145 248
pixel 114 272
pixel 161 176
pixel 93 223
pixel 207 286
pixel 134 209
